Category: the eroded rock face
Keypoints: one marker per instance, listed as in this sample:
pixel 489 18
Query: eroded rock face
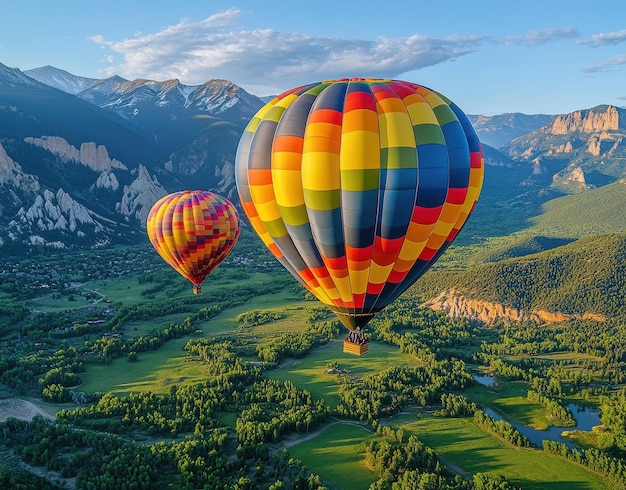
pixel 587 121
pixel 90 154
pixel 107 180
pixel 56 211
pixel 577 175
pixel 11 173
pixel 140 196
pixel 487 312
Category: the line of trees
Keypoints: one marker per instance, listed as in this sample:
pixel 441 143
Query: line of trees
pixel 605 464
pixel 502 429
pixel 454 405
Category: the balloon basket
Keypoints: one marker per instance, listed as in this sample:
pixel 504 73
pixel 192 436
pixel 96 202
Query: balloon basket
pixel 354 348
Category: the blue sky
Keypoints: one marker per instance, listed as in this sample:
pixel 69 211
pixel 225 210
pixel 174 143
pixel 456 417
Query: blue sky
pixel 490 57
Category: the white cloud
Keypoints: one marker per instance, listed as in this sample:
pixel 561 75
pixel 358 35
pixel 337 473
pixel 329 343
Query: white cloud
pixel 606 65
pixel 216 47
pixel 605 39
pixel 540 37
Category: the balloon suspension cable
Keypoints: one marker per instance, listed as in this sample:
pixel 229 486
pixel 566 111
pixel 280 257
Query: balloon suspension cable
pixel 352 321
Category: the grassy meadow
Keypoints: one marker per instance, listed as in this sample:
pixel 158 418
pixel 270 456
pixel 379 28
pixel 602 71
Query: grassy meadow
pixel 310 373
pixel 154 371
pixel 509 400
pixel 337 456
pixel 469 447
pixel 336 452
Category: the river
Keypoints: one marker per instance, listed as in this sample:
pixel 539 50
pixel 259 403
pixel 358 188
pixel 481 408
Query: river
pixel 586 418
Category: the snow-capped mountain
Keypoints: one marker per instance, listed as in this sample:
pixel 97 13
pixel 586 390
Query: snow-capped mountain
pixel 130 98
pixel 83 160
pixel 13 77
pixel 196 126
pixel 60 79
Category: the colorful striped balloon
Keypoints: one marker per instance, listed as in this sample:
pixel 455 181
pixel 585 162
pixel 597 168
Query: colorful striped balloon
pixel 358 185
pixel 193 231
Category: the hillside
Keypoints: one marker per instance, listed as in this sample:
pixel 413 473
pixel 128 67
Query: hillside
pixel 595 211
pixel 585 276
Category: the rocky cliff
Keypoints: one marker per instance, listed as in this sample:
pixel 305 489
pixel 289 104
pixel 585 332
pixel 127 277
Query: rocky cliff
pixel 487 312
pixel 11 173
pixel 90 154
pixel 81 212
pixel 139 197
pixel 56 211
pixel 602 118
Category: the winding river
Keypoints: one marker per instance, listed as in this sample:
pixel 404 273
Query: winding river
pixel 586 418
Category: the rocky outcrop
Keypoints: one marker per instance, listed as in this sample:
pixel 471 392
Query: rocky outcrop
pixel 90 154
pixel 587 121
pixel 11 173
pixel 538 167
pixel 226 183
pixel 594 145
pixel 58 212
pixel 140 196
pixel 487 312
pixel 107 180
pixel 578 176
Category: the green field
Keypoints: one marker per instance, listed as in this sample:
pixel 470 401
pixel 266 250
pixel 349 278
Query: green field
pixel 158 370
pixel 154 371
pixel 463 443
pixel 509 400
pixel 310 374
pixel 337 456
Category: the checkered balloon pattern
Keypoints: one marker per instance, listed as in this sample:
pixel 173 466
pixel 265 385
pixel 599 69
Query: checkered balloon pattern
pixel 358 185
pixel 193 231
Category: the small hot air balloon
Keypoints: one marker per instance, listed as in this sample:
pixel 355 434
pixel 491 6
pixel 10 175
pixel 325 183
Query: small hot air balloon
pixel 357 186
pixel 193 231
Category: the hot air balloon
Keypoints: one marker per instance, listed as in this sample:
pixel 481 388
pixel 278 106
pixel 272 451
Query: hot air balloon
pixel 193 231
pixel 357 186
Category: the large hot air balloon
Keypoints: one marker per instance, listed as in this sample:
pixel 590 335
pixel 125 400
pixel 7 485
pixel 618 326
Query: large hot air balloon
pixel 193 231
pixel 357 186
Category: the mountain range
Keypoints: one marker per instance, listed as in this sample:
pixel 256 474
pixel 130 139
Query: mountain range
pixel 82 160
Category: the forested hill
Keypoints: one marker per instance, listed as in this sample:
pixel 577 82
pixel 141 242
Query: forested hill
pixel 585 276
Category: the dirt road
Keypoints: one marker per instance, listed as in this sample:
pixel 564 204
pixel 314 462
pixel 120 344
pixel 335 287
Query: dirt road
pixel 20 409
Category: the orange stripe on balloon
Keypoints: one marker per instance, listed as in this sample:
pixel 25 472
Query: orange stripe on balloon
pixel 260 176
pixel 288 143
pixel 358 254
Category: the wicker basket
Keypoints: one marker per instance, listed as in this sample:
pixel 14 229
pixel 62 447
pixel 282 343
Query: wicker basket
pixel 354 348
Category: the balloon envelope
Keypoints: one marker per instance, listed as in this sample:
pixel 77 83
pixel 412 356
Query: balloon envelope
pixel 358 185
pixel 193 231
